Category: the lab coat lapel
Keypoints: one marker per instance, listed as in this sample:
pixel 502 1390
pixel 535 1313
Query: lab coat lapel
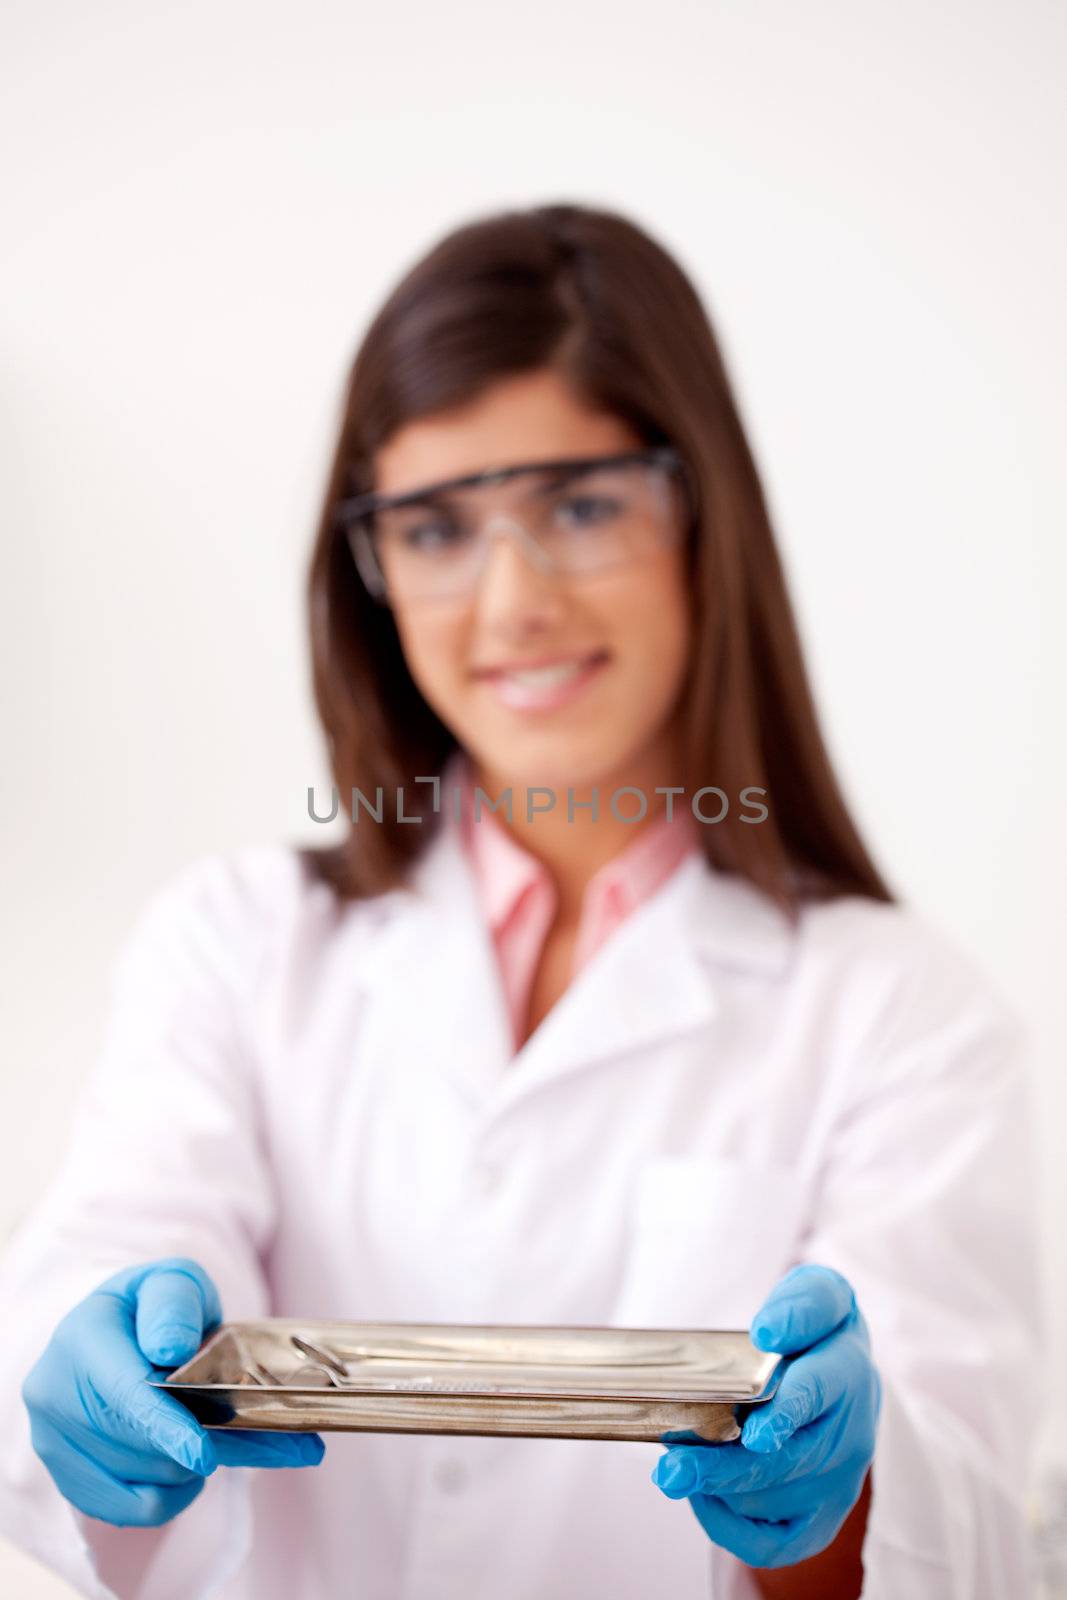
pixel 438 1003
pixel 646 984
pixel 658 976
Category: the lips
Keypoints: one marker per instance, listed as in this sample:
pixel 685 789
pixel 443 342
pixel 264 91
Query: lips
pixel 542 669
pixel 545 685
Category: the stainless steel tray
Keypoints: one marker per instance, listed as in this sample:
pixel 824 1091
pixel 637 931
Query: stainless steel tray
pixel 660 1385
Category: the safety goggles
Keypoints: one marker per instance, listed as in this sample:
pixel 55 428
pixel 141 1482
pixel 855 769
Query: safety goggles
pixel 574 517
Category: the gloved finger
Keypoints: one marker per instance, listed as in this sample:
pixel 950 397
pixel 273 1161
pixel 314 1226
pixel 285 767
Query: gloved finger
pixel 836 1490
pixel 685 1470
pixel 132 1282
pixel 117 1374
pixel 812 1384
pixel 170 1315
pixel 757 1544
pixel 253 1447
pixel 127 1283
pixel 128 1457
pixel 725 1469
pixel 802 1308
pixel 99 1493
pixel 772 1543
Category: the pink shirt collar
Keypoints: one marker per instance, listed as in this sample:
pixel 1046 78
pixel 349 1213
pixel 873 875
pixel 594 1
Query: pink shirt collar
pixel 506 872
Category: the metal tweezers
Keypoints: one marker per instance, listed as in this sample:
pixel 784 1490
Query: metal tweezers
pixel 317 1358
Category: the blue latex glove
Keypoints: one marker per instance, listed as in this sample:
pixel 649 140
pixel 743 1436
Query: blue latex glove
pixel 116 1448
pixel 781 1492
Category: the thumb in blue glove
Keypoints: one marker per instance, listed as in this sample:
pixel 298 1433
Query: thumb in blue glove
pixel 781 1493
pixel 117 1448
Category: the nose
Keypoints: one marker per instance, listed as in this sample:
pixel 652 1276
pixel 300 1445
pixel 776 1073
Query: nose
pixel 516 581
pixel 501 528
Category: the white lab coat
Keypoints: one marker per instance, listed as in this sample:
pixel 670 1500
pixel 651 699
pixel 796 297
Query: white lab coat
pixel 321 1106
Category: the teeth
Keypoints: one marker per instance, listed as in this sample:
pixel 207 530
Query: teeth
pixel 543 677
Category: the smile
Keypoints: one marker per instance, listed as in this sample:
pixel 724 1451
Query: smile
pixel 546 686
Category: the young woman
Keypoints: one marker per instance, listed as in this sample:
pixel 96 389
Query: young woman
pixel 649 1044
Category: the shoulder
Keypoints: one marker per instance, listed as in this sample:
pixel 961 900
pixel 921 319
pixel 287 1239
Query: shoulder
pixel 224 890
pixel 227 912
pixel 893 945
pixel 909 996
pixel 851 951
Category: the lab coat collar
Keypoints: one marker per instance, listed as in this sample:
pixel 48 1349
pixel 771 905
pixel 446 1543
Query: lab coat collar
pixel 658 976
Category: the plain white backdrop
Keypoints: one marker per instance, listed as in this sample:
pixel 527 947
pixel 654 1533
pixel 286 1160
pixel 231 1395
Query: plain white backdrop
pixel 202 207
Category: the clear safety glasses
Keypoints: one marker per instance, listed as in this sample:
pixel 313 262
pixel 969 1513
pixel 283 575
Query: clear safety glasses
pixel 573 517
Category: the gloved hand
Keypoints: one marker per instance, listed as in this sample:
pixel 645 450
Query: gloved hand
pixel 781 1492
pixel 117 1449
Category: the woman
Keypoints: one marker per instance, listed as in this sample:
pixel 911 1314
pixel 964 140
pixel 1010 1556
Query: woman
pixel 650 1044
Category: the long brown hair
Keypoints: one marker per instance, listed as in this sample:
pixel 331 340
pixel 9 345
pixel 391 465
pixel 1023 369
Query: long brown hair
pixel 591 293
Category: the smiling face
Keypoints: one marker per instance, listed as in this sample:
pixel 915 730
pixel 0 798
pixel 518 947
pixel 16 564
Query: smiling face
pixel 613 644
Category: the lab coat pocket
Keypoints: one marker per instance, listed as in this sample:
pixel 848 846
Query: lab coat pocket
pixel 708 1238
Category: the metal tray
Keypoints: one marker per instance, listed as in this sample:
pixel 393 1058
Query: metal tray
pixel 661 1385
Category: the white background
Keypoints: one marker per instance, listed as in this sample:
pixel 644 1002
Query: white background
pixel 203 205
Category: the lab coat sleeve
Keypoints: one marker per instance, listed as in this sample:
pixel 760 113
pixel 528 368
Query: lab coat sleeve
pixel 165 1158
pixel 927 1205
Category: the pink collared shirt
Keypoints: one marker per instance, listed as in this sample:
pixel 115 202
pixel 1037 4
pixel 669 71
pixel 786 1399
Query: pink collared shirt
pixel 519 897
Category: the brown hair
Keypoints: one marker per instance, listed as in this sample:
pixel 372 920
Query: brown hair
pixel 591 293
